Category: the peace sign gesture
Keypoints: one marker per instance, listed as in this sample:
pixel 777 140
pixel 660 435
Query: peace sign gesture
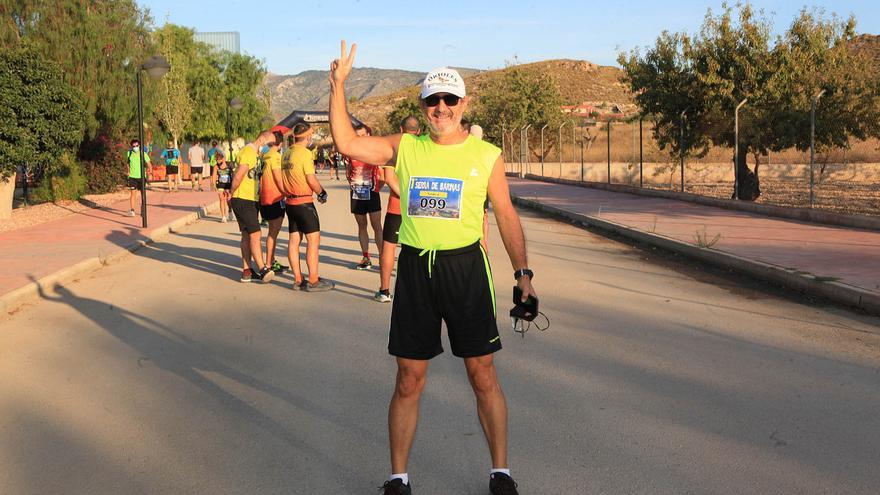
pixel 341 67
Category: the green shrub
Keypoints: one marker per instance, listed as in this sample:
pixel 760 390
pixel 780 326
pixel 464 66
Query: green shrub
pixel 105 169
pixel 68 182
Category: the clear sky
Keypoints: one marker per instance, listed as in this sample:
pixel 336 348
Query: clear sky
pixel 304 34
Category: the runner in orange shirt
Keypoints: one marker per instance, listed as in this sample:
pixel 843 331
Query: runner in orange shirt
pixel 391 226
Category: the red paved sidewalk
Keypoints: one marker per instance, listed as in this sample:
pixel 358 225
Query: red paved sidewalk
pixel 31 253
pixel 850 255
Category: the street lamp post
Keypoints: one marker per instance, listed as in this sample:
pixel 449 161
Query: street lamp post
pixel 813 140
pixel 156 67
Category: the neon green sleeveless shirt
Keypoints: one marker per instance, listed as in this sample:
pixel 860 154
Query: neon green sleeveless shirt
pixel 442 191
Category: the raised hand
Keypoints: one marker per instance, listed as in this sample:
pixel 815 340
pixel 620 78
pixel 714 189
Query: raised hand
pixel 341 67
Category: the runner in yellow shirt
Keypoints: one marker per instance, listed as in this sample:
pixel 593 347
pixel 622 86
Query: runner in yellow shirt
pixel 245 205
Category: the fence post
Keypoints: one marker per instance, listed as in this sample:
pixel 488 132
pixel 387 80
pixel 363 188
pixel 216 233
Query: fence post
pixel 503 149
pixel 528 158
pixel 681 147
pixel 573 144
pixel 559 148
pixel 641 151
pixel 608 129
pixel 582 160
pixel 542 149
pixel 813 140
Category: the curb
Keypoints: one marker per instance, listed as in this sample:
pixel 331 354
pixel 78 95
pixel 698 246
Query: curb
pixel 837 292
pixel 13 299
pixel 865 222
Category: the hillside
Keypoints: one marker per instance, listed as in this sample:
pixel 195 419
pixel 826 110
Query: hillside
pixel 578 81
pixel 868 45
pixel 309 90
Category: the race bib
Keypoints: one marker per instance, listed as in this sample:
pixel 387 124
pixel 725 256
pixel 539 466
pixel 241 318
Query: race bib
pixel 360 191
pixel 224 179
pixel 435 197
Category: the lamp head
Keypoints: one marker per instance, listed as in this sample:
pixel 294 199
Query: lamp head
pixel 156 66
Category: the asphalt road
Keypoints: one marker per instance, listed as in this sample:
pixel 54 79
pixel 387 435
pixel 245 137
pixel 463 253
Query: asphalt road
pixel 162 374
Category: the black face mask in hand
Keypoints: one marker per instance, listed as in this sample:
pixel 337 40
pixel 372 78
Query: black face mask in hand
pixel 524 313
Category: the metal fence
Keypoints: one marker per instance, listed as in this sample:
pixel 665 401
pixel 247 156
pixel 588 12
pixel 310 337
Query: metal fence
pixel 844 179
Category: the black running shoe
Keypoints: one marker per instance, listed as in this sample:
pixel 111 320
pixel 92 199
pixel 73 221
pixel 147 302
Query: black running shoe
pixel 396 487
pixel 265 275
pixel 278 268
pixel 502 484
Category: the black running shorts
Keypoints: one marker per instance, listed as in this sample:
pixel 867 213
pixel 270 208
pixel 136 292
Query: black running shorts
pixel 391 228
pixel 303 218
pixel 134 182
pixel 247 214
pixel 455 288
pixel 272 212
pixel 170 170
pixel 364 206
pixel 195 170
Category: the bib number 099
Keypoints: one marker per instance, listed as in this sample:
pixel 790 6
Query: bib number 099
pixel 433 203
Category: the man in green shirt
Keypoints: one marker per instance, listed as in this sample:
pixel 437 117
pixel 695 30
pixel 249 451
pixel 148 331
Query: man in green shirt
pixel 443 179
pixel 135 175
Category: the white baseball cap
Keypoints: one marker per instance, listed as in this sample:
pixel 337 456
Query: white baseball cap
pixel 443 80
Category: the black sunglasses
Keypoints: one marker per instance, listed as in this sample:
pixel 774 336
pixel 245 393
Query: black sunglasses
pixel 450 100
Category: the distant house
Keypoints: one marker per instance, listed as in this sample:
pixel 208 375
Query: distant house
pixel 594 111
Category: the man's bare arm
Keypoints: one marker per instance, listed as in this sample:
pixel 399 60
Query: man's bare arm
pixel 279 180
pixel 391 180
pixel 509 225
pixel 368 149
pixel 240 172
pixel 312 181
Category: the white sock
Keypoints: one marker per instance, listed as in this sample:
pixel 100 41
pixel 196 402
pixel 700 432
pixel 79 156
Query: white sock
pixel 402 476
pixel 504 471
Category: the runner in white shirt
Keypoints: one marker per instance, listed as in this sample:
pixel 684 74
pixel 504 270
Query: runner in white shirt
pixel 196 156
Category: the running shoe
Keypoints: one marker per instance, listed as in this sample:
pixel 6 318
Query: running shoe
pixel 396 487
pixel 131 213
pixel 383 296
pixel 301 285
pixel 502 484
pixel 247 275
pixel 320 286
pixel 265 275
pixel 223 220
pixel 365 264
pixel 278 268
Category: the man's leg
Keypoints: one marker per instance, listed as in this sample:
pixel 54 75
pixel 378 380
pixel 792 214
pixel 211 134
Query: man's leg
pixel 246 250
pixel 313 243
pixel 376 222
pixel 386 264
pixel 403 412
pixel 363 236
pixel 256 252
pixel 131 196
pixel 491 406
pixel 272 239
pixel 293 256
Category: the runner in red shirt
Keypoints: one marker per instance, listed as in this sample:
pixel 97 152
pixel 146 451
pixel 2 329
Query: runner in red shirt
pixel 409 125
pixel 365 181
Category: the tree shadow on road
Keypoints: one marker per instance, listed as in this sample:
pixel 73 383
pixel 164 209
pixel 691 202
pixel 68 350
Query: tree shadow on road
pixel 160 346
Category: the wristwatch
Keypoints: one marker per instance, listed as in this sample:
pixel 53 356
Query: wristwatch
pixel 524 271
